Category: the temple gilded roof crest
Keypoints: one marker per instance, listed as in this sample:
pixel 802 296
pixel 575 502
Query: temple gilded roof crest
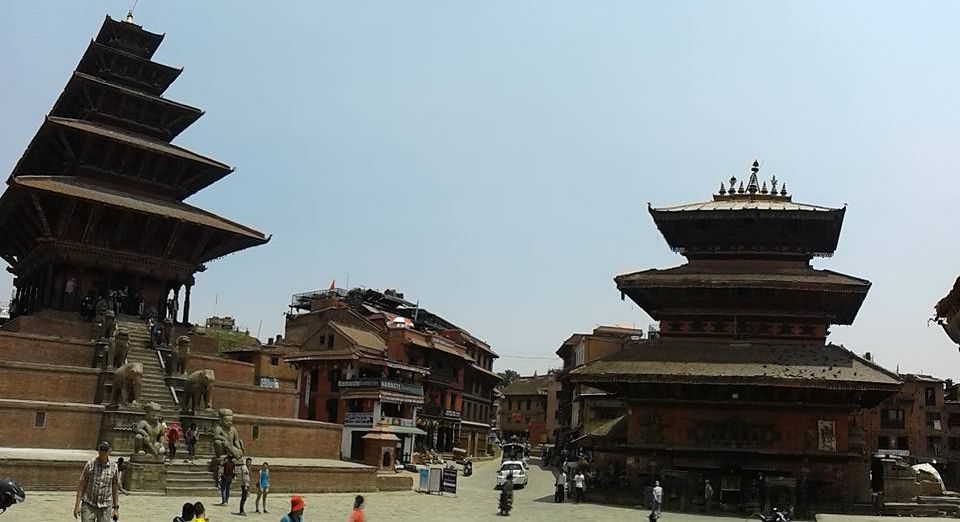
pixel 755 189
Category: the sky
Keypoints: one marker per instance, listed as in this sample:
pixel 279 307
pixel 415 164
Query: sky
pixel 494 160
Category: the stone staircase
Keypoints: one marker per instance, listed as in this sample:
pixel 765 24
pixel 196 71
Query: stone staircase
pixel 154 387
pixel 190 479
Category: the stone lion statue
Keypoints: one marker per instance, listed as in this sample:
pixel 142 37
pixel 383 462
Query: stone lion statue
pixel 179 357
pixel 126 384
pixel 226 439
pixel 109 324
pixel 197 391
pixel 148 433
pixel 166 331
pixel 121 347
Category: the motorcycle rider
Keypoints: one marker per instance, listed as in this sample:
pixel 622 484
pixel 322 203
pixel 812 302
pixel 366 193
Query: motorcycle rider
pixel 10 493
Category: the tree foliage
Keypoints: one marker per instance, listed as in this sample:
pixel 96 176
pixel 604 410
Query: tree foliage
pixel 508 376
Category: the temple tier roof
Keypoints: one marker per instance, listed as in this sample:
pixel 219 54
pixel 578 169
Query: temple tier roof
pixel 129 70
pixel 72 147
pixel 128 37
pixel 752 220
pixel 747 364
pixel 695 289
pixel 93 99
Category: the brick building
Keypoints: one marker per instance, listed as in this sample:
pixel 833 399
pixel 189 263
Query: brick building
pixel 528 409
pixel 741 387
pixel 451 369
pixel 582 408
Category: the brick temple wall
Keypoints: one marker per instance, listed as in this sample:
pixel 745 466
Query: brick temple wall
pixel 227 370
pixel 65 425
pixel 47 382
pixel 288 437
pixel 253 400
pixel 67 325
pixel 17 346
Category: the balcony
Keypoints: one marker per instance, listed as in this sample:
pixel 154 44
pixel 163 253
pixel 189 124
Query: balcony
pixel 382 384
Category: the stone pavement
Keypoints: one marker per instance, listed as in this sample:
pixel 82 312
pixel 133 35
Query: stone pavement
pixel 476 500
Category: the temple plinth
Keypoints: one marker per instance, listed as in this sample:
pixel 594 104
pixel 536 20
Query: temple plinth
pixel 95 206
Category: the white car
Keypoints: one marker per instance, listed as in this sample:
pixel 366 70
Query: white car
pixel 518 470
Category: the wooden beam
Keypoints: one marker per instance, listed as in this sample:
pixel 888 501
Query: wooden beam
pixel 147 233
pixel 174 236
pixel 92 220
pixel 65 217
pixel 202 244
pixel 44 224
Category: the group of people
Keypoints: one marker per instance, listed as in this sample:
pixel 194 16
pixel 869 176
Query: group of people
pixel 98 492
pixel 576 486
pixel 228 472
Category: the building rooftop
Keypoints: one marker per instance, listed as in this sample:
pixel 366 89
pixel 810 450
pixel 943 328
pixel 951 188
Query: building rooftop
pixel 529 385
pixel 361 338
pixel 662 361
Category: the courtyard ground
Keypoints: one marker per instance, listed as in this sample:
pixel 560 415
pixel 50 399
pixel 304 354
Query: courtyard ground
pixel 476 500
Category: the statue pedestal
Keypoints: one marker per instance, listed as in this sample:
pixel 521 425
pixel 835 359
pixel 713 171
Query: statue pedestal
pixel 205 420
pixel 117 426
pixel 145 473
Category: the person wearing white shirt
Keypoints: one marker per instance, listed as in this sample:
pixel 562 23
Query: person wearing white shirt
pixel 579 482
pixel 558 496
pixel 657 498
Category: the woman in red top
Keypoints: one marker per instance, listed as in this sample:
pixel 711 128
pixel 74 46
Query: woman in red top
pixel 173 436
pixel 357 514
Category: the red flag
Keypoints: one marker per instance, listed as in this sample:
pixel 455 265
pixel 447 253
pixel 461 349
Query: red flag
pixel 333 284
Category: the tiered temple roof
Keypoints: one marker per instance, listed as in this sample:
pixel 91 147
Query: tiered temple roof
pixel 747 309
pixel 100 187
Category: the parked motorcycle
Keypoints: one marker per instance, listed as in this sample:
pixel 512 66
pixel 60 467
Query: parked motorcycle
pixel 467 467
pixel 10 493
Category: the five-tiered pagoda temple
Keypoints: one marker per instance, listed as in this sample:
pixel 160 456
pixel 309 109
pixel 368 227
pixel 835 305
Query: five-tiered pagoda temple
pixel 740 387
pixel 96 204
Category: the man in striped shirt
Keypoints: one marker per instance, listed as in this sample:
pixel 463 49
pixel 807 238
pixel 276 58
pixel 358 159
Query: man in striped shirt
pixel 98 498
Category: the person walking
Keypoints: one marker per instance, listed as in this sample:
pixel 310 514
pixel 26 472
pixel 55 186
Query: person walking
pixel 98 494
pixel 226 478
pixel 263 487
pixel 296 510
pixel 357 514
pixel 657 498
pixel 121 467
pixel 559 494
pixel 173 437
pixel 187 513
pixel 707 497
pixel 579 483
pixel 191 436
pixel 244 484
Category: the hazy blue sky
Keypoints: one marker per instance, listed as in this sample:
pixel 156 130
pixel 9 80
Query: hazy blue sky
pixel 494 159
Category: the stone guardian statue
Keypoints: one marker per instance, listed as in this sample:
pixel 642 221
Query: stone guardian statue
pixel 179 357
pixel 148 433
pixel 226 439
pixel 197 391
pixel 121 347
pixel 127 381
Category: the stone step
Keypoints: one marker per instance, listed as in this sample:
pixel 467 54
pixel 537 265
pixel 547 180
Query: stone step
pixel 190 482
pixel 209 491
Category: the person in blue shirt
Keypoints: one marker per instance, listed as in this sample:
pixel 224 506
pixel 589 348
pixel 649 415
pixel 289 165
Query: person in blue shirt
pixel 263 487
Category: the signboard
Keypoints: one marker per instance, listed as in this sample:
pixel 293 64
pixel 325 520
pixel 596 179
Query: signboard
pixel 398 421
pixel 449 483
pixel 451 414
pixel 424 479
pixel 358 419
pixel 893 453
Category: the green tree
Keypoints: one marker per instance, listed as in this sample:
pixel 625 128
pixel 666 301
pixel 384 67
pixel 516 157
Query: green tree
pixel 508 376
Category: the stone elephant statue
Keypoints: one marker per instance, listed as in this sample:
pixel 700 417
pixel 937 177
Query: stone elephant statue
pixel 127 381
pixel 197 391
pixel 179 356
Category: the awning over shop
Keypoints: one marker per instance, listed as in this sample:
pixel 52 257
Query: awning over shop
pixel 407 430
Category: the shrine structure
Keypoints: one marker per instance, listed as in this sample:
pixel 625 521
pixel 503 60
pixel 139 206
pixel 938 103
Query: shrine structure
pixel 740 386
pixel 95 206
